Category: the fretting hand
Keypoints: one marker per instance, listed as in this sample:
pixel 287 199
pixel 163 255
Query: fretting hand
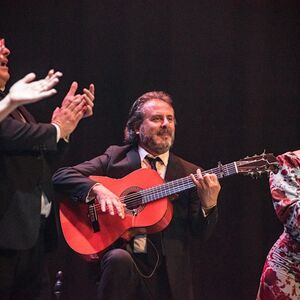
pixel 208 188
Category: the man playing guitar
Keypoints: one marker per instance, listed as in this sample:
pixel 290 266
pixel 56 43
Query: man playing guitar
pixel 151 264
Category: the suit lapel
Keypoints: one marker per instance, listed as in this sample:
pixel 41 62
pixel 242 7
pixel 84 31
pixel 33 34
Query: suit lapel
pixel 16 115
pixel 174 168
pixel 21 114
pixel 25 113
pixel 133 159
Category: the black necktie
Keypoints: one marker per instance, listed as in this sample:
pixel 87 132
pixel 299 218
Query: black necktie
pixel 152 161
pixel 156 238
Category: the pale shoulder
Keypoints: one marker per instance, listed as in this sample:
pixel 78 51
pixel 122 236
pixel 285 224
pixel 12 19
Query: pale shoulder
pixel 297 153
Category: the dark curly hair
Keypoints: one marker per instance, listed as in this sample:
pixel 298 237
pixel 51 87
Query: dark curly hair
pixel 136 114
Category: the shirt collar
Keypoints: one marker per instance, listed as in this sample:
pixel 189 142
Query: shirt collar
pixel 164 157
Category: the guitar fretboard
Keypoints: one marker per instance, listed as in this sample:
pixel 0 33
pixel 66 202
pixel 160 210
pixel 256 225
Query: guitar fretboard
pixel 185 183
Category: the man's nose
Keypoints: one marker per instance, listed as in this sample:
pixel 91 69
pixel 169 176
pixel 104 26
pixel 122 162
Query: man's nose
pixel 5 51
pixel 165 122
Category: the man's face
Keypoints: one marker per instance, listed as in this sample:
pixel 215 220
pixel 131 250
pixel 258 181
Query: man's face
pixel 4 72
pixel 157 131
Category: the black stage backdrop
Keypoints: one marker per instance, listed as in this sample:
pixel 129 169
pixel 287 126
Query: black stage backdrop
pixel 233 70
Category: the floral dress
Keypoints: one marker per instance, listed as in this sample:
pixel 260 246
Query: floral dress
pixel 280 278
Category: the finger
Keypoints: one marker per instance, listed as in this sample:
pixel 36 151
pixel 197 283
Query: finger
pixel 79 116
pixel 88 112
pixel 55 111
pixel 92 88
pixel 88 94
pixel 196 181
pixel 90 91
pixel 102 205
pixel 120 209
pixel 214 178
pixel 49 84
pixel 199 182
pixel 89 98
pixel 79 112
pixel 73 89
pixel 110 207
pixel 199 174
pixel 57 74
pixel 46 94
pixel 77 106
pixel 207 179
pixel 28 78
pixel 88 102
pixel 78 99
pixel 50 73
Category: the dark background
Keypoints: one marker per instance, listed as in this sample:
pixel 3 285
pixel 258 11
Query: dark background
pixel 232 68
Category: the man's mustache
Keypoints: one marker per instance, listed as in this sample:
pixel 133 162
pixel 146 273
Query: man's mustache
pixel 165 131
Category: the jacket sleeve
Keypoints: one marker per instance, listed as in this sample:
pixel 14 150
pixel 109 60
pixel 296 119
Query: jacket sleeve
pixel 74 182
pixel 17 136
pixel 187 208
pixel 201 226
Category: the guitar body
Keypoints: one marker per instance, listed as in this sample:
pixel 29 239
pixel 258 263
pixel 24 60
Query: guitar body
pixel 139 218
pixel 90 237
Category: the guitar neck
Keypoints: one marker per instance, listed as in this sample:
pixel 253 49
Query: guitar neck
pixel 185 183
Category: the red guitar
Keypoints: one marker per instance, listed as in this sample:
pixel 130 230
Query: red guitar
pixel 89 232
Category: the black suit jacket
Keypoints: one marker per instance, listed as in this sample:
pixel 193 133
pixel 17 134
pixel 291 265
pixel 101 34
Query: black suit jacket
pixel 25 150
pixel 188 220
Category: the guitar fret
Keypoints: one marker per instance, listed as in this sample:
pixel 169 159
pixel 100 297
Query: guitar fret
pixel 181 184
pixel 178 185
pixel 89 241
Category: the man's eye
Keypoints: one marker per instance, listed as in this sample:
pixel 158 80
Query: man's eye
pixel 156 119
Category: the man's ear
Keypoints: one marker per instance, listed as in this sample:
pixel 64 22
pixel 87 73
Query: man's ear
pixel 137 130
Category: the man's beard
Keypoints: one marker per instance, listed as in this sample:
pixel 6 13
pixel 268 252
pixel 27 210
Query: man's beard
pixel 158 147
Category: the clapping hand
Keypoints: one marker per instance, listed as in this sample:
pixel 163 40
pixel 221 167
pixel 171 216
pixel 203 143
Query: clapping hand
pixel 27 90
pixel 87 96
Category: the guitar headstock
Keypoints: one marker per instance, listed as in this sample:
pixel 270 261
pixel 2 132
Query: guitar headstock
pixel 256 165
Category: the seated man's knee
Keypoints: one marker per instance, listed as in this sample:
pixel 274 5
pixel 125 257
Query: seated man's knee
pixel 117 259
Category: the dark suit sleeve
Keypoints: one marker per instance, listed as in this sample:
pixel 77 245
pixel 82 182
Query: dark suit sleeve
pixel 74 182
pixel 188 216
pixel 17 136
pixel 199 225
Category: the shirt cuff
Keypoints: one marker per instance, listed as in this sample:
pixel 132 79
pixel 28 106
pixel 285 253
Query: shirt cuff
pixel 58 134
pixel 90 198
pixel 207 211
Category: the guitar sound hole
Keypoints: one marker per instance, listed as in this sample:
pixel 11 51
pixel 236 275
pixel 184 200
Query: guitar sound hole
pixel 133 200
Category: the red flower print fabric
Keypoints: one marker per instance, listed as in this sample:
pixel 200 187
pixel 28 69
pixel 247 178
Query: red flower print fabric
pixel 280 278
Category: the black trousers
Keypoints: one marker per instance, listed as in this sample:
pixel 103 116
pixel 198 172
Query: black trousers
pixel 24 273
pixel 125 277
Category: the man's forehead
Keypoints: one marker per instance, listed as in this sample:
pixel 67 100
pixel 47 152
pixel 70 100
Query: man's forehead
pixel 157 105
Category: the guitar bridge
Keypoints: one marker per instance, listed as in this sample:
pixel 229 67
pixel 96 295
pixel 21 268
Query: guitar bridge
pixel 93 217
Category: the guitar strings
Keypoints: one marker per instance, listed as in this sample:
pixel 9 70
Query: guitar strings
pixel 163 190
pixel 169 188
